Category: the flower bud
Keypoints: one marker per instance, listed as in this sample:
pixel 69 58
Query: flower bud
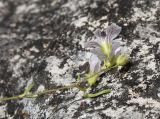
pixel 92 80
pixel 121 60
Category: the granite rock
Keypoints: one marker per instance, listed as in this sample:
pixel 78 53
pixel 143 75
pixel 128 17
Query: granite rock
pixel 42 41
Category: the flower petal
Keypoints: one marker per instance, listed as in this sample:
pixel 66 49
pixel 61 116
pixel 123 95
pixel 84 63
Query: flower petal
pixel 112 32
pixel 91 44
pixel 97 51
pixel 118 40
pixel 116 49
pixel 99 37
pixel 94 63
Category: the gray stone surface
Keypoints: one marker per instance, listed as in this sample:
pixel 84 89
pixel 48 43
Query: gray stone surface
pixel 42 40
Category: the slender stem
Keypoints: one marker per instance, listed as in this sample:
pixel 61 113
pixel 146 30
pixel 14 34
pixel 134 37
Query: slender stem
pixel 27 93
pixel 102 71
pixel 27 90
pixel 10 98
pixel 54 90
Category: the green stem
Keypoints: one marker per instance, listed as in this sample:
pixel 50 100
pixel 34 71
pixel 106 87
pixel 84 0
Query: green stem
pixel 27 94
pixel 10 98
pixel 54 90
pixel 102 71
pixel 27 90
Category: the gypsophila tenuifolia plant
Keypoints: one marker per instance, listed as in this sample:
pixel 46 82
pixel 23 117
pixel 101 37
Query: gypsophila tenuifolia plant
pixel 107 49
pixel 107 54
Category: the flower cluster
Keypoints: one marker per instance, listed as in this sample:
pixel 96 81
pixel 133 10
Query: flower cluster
pixel 106 50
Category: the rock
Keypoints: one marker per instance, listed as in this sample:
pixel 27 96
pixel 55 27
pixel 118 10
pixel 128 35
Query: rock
pixel 42 40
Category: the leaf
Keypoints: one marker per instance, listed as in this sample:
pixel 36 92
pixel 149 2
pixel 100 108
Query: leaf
pixel 90 95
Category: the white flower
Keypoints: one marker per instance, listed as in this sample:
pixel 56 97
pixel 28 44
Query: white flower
pixel 105 45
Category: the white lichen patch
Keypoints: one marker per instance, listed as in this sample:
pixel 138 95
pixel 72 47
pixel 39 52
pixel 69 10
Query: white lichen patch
pixel 94 115
pixel 41 88
pixel 34 49
pixel 26 8
pixel 115 86
pixel 147 102
pixel 3 111
pixel 93 24
pixel 16 63
pixel 80 22
pixel 74 5
pixel 147 32
pixel 123 112
pixel 34 110
pixel 147 15
pixel 63 76
pixel 152 65
pixel 148 61
pixel 82 40
pixel 58 74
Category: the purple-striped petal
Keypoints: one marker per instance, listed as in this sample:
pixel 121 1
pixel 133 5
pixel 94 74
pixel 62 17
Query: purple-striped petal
pixel 116 49
pixel 98 36
pixel 94 63
pixel 112 32
pixel 97 51
pixel 91 44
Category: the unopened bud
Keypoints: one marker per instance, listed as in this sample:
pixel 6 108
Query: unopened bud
pixel 121 60
pixel 92 80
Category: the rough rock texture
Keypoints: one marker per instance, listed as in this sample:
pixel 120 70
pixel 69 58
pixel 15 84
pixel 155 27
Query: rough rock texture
pixel 42 40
